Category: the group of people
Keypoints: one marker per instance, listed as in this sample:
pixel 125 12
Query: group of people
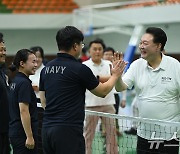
pixel 20 115
pixel 66 87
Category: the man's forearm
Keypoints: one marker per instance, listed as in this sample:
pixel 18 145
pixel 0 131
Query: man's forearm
pixel 104 88
pixel 108 86
pixel 120 85
pixel 103 79
pixel 43 99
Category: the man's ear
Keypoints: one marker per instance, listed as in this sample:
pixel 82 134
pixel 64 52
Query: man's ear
pixel 21 63
pixel 159 46
pixel 75 46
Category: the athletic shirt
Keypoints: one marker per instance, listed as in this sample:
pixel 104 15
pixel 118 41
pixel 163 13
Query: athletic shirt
pixel 21 91
pixel 158 94
pixel 4 111
pixel 64 81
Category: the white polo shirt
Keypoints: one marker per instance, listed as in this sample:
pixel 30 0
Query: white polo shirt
pixel 35 78
pixel 158 92
pixel 102 70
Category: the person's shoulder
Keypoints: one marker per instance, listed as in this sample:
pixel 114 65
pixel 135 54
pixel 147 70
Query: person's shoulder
pixel 50 63
pixel 139 61
pixel 19 78
pixel 87 62
pixel 106 61
pixel 23 80
pixel 19 81
pixel 170 59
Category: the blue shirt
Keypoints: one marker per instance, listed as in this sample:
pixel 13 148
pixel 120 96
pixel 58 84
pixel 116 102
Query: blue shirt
pixel 65 81
pixel 21 91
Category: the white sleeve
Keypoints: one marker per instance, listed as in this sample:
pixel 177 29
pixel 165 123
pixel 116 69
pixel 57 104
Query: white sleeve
pixel 178 78
pixel 129 77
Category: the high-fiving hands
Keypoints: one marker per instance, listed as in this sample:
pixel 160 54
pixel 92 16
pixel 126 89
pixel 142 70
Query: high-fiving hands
pixel 118 64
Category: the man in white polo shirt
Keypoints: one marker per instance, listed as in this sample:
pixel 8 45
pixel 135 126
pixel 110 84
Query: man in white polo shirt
pixel 101 69
pixel 156 78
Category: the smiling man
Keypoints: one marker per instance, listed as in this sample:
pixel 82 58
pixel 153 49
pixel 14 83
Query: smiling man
pixel 101 69
pixel 2 50
pixel 4 114
pixel 156 80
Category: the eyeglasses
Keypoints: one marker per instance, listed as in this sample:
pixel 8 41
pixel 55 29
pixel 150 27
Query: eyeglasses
pixel 83 45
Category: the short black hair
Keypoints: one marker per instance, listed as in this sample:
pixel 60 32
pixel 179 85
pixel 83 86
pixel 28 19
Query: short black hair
pixel 158 34
pixel 67 36
pixel 1 37
pixel 34 49
pixel 109 49
pixel 98 40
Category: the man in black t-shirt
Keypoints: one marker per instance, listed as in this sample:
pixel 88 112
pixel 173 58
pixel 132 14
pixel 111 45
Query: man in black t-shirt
pixel 63 83
pixel 4 112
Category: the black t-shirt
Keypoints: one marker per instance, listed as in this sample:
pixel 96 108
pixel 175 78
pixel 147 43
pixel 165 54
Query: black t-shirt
pixel 21 91
pixel 4 111
pixel 65 81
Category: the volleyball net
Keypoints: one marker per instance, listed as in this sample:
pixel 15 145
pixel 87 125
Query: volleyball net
pixel 126 144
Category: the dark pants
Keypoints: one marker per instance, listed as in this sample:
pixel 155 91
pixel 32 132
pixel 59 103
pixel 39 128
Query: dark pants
pixel 117 100
pixel 18 145
pixel 63 140
pixel 116 106
pixel 4 143
pixel 40 118
pixel 145 147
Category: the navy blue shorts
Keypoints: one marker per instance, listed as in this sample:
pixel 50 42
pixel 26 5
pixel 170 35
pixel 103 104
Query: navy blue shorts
pixel 63 140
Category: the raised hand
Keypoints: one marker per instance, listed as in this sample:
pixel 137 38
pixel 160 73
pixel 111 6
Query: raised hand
pixel 118 56
pixel 118 67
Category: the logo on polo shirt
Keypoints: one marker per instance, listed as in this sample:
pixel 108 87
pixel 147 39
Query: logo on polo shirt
pixel 166 79
pixel 55 69
pixel 12 86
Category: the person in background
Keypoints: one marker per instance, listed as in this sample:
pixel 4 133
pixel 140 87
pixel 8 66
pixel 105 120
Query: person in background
pixel 23 105
pixel 4 110
pixel 39 53
pixel 108 55
pixel 101 69
pixel 63 83
pixel 84 55
pixel 156 78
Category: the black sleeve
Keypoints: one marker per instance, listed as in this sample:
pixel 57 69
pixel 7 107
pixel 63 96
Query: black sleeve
pixel 87 77
pixel 41 80
pixel 24 92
